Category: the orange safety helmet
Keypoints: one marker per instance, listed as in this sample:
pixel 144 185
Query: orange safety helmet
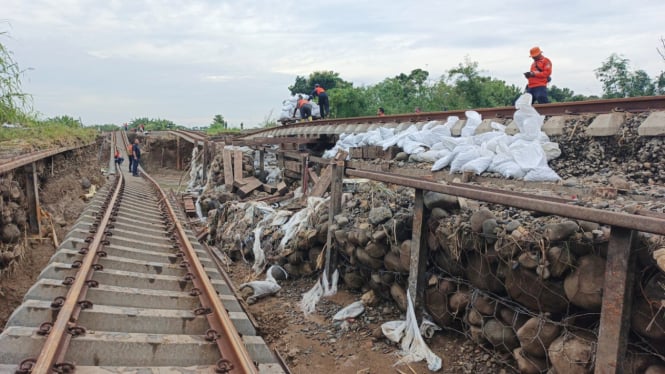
pixel 535 51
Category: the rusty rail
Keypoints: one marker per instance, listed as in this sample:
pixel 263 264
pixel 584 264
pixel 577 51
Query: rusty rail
pixel 235 357
pixel 21 160
pixel 65 325
pixel 631 104
pixel 534 203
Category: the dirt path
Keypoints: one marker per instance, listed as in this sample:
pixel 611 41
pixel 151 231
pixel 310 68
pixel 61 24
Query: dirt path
pixel 314 344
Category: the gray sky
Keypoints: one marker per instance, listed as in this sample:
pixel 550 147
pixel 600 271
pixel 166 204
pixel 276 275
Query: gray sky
pixel 114 60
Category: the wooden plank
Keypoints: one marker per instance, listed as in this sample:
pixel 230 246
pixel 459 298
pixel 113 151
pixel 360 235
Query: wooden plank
pixel 282 188
pixel 269 188
pixel 324 181
pixel 251 185
pixel 356 152
pixel 337 179
pixel 616 304
pixel 294 166
pixel 418 261
pixel 237 165
pixel 32 198
pixel 228 169
pixel 312 175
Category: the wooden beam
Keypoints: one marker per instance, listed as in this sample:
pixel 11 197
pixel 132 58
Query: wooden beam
pixel 262 161
pixel 228 169
pixel 305 175
pixel 324 181
pixel 251 184
pixel 337 173
pixel 418 263
pixel 616 304
pixel 237 165
pixel 313 176
pixel 32 197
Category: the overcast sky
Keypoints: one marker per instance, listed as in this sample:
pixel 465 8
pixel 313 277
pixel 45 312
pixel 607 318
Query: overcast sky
pixel 114 60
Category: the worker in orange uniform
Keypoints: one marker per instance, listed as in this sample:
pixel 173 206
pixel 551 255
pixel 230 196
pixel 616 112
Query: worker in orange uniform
pixel 538 76
pixel 305 108
pixel 130 155
pixel 324 105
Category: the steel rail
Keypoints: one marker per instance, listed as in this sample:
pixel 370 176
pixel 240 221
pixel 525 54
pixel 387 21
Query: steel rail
pixel 534 203
pixel 631 104
pixel 21 160
pixel 229 342
pixel 58 338
pixel 190 136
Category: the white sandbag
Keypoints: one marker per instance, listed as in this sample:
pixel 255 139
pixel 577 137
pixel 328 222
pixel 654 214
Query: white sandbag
pixel 528 155
pixel 473 120
pixel 542 174
pixel 429 156
pixel 265 287
pixel 527 119
pixel 551 150
pixel 469 153
pixel 479 165
pixel 407 334
pixel 413 147
pixel 352 310
pixel 498 127
pixel 438 133
pixel 486 137
pixel 431 124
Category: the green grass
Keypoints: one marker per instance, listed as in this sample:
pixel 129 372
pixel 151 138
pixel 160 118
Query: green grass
pixel 45 135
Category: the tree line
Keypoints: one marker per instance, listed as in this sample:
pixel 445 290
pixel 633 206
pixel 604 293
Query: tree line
pixel 465 87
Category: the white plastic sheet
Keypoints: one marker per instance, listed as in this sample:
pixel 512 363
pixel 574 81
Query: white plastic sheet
pixel 407 334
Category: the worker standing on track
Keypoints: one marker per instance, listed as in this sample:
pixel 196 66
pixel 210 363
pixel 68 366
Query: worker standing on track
pixel 118 158
pixel 305 108
pixel 130 152
pixel 324 104
pixel 136 153
pixel 538 76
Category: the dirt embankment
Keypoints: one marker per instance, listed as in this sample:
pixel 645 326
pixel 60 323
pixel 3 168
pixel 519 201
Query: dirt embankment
pixel 63 180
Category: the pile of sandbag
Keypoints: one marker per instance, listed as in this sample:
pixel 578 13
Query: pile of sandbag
pixel 289 106
pixel 521 156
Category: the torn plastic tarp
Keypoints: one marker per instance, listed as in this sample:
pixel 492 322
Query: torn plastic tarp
pixel 321 288
pixel 407 334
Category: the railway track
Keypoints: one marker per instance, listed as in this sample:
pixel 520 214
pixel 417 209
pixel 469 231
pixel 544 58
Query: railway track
pixel 130 290
pixel 338 126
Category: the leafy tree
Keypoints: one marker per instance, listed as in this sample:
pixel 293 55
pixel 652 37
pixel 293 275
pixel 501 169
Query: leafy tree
pixel 351 102
pixel 13 102
pixel 472 90
pixel 559 95
pixel 619 81
pixel 327 79
pixel 218 122
pixel 151 124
